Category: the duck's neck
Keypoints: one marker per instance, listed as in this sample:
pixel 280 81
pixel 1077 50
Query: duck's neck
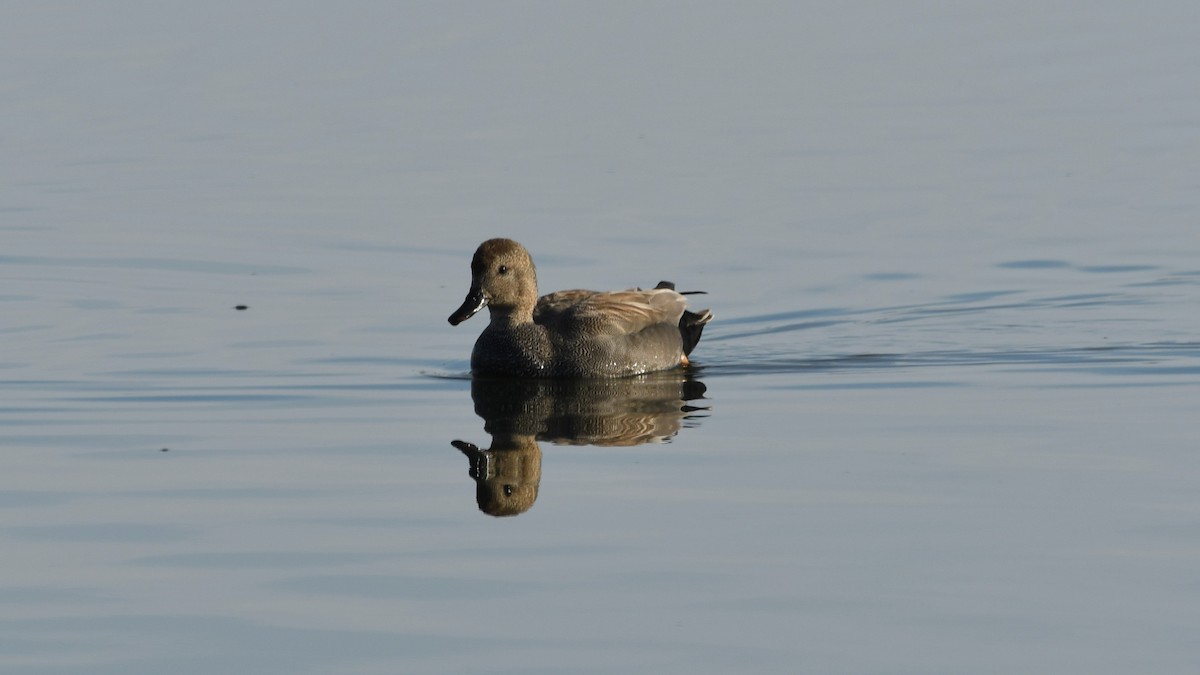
pixel 509 316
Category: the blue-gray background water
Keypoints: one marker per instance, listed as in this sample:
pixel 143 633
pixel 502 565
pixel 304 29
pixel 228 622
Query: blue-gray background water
pixel 945 420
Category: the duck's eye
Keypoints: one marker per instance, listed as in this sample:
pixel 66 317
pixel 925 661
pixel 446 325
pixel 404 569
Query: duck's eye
pixel 503 269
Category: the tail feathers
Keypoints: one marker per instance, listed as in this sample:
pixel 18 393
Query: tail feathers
pixel 671 285
pixel 691 324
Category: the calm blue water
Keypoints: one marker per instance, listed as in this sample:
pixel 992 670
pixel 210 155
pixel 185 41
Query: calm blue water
pixel 944 421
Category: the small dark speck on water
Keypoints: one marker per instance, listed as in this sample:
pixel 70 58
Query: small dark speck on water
pixel 242 307
pixel 165 449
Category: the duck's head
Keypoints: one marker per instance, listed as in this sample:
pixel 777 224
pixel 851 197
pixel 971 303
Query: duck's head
pixel 503 279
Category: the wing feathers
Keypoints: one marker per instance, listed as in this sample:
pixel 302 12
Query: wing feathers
pixel 609 313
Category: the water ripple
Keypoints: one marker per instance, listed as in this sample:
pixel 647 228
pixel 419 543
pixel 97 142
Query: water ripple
pixel 1136 359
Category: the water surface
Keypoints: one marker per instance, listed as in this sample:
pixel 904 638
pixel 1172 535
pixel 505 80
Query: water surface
pixel 943 422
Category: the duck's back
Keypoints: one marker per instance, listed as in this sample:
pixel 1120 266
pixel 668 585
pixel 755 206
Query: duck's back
pixel 612 334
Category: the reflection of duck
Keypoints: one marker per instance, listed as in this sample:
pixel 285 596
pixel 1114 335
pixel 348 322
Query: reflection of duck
pixel 518 413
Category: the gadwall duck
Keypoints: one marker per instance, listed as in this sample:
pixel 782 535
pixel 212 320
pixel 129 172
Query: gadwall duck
pixel 571 333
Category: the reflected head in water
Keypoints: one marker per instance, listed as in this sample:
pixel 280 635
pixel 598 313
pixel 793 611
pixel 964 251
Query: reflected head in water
pixel 576 333
pixel 507 475
pixel 603 412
